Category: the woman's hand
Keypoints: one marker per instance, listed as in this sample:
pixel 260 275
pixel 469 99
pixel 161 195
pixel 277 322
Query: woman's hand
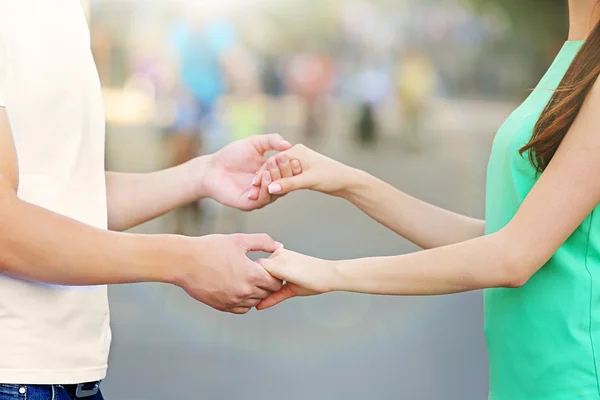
pixel 304 276
pixel 303 168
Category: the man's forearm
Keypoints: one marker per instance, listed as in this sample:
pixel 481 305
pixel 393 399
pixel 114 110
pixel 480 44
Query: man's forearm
pixel 40 245
pixel 137 198
pixel 424 224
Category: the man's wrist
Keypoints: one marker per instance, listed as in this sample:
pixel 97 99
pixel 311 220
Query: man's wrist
pixel 161 258
pixel 155 258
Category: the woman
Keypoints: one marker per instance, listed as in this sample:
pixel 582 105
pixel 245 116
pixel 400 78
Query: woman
pixel 537 254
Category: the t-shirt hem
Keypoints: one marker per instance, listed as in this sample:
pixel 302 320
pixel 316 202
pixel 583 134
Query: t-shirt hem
pixel 52 377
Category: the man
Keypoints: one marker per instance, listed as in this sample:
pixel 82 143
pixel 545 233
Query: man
pixel 56 202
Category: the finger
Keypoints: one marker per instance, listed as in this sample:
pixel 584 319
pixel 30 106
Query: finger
pixel 257 179
pixel 273 169
pixel 270 266
pixel 275 298
pixel 260 293
pixel 259 242
pixel 252 302
pixel 274 141
pixel 285 167
pixel 287 185
pixel 263 194
pixel 240 310
pixel 296 167
pixel 269 283
pixel 267 280
pixel 254 193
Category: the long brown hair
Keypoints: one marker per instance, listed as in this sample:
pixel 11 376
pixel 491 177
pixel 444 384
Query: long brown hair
pixel 565 103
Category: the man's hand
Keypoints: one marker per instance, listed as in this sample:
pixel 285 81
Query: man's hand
pixel 216 271
pixel 230 172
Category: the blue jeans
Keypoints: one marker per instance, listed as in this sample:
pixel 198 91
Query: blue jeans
pixel 39 392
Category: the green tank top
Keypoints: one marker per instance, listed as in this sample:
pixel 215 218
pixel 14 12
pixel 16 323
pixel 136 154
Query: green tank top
pixel 543 338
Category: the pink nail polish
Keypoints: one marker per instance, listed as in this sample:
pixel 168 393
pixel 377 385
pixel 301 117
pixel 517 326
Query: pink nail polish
pixel 274 188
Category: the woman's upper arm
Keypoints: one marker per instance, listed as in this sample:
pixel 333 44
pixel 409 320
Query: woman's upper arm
pixel 565 194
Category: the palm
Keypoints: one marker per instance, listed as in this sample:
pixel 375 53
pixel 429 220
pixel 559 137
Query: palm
pixel 288 291
pixel 229 178
pixel 298 291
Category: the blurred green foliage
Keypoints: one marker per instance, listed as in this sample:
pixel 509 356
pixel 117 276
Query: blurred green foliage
pixel 542 22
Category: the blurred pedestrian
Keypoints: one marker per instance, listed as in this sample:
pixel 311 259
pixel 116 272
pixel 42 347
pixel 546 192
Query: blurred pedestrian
pixel 206 47
pixel 374 87
pixel 415 85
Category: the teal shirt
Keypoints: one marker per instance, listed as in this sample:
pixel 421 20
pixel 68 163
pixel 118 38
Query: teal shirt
pixel 543 338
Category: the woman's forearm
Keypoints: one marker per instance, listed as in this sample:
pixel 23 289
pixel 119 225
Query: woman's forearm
pixel 476 264
pixel 422 223
pixel 136 198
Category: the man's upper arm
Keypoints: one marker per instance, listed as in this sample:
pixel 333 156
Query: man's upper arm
pixel 565 194
pixel 9 170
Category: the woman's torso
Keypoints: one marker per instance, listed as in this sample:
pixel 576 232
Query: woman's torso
pixel 543 338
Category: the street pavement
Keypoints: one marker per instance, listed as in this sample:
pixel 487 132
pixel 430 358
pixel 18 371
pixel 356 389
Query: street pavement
pixel 335 346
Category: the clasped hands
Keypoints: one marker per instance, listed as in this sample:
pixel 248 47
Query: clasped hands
pixel 296 169
pixel 214 269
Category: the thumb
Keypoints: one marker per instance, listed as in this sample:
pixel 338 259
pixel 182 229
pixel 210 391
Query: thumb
pixel 275 298
pixel 274 141
pixel 287 185
pixel 260 242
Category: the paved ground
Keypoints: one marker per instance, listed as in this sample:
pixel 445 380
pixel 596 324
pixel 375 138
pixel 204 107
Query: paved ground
pixel 338 346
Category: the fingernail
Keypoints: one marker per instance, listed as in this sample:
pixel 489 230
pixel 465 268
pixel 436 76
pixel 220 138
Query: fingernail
pixel 280 245
pixel 272 163
pixel 283 158
pixel 254 180
pixel 296 164
pixel 274 188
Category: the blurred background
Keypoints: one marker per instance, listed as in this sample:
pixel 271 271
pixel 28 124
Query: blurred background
pixel 409 90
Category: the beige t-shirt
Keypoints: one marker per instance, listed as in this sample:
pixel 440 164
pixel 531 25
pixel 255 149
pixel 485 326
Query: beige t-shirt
pixel 49 85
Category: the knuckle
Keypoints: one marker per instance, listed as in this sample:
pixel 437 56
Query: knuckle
pixel 265 236
pixel 243 292
pixel 260 276
pixel 238 238
pixel 233 299
pixel 220 307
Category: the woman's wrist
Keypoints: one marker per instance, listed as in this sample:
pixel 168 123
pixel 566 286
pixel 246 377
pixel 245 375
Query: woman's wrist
pixel 354 182
pixel 194 172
